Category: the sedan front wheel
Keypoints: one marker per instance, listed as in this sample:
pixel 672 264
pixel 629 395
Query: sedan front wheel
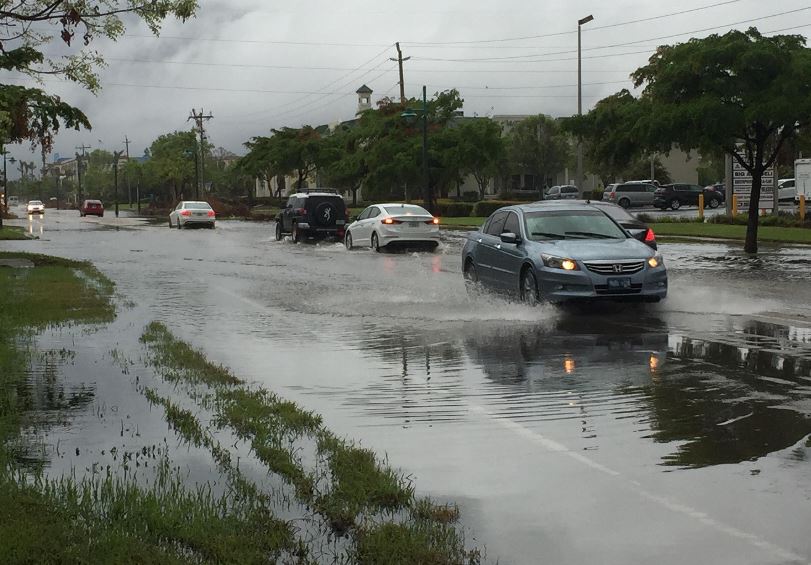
pixel 348 241
pixel 529 288
pixel 675 205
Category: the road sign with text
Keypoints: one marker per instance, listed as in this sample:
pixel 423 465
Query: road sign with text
pixel 742 186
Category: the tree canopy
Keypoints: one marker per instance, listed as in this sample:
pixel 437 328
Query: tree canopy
pixel 740 88
pixel 28 28
pixel 539 146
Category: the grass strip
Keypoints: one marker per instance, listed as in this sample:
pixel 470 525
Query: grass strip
pixel 104 517
pixel 358 495
pixel 735 232
pixel 12 233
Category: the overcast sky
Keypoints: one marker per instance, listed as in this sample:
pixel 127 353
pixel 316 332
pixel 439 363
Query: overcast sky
pixel 255 65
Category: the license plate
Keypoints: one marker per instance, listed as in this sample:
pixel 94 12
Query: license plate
pixel 619 283
pixel 413 224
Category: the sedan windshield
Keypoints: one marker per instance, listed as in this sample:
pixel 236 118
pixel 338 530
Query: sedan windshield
pixel 571 224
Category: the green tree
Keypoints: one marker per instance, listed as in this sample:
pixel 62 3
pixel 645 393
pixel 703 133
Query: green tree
pixel 724 90
pixel 479 150
pixel 538 145
pixel 97 176
pixel 27 30
pixel 289 151
pixel 172 166
pixel 612 140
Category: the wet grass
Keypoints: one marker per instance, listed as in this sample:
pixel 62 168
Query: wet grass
pixel 356 494
pixel 12 233
pixel 112 516
pixel 722 231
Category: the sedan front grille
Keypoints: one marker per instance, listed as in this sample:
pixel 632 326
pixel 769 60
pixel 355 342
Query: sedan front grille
pixel 619 268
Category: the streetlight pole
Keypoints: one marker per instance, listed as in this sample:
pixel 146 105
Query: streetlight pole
pixel 580 23
pixel 429 200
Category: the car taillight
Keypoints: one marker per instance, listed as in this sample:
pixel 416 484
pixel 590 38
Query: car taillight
pixel 433 221
pixel 211 213
pixel 649 236
pixel 612 195
pixel 185 212
pixel 390 221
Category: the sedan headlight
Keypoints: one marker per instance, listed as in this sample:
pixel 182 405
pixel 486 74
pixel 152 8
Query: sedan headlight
pixel 655 261
pixel 560 263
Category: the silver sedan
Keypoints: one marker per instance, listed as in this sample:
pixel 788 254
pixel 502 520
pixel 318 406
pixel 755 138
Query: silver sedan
pixel 562 251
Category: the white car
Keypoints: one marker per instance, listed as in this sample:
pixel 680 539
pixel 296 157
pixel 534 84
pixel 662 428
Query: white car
pixel 389 225
pixel 786 190
pixel 35 207
pixel 192 213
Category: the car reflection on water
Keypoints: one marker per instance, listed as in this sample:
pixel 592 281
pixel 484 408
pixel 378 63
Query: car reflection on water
pixel 725 398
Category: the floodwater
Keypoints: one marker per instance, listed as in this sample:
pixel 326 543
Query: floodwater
pixel 670 433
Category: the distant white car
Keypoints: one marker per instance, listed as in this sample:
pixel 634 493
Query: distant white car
pixel 389 225
pixel 192 213
pixel 35 207
pixel 786 190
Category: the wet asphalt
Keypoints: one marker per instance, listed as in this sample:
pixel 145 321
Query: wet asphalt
pixel 669 433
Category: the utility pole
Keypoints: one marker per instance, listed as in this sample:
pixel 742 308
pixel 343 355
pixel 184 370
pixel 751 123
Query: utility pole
pixel 580 23
pixel 126 174
pixel 116 157
pixel 198 120
pixel 79 165
pixel 400 60
pixel 429 197
pixel 4 209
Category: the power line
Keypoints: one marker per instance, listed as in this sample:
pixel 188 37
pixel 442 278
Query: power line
pixel 623 44
pixel 558 34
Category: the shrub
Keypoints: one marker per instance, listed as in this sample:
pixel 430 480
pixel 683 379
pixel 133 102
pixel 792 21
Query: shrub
pixel 783 220
pixel 523 196
pixel 455 209
pixel 487 207
pixel 470 196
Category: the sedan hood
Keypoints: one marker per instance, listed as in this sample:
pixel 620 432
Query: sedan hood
pixel 593 249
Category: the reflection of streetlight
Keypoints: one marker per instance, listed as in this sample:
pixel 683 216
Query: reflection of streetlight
pixel 579 180
pixel 653 363
pixel 568 365
pixel 409 113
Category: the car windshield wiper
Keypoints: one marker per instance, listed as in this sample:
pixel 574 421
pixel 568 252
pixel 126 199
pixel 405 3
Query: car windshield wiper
pixel 591 234
pixel 549 235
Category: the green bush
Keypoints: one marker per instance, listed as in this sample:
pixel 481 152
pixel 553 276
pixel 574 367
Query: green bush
pixel 782 220
pixel 455 209
pixel 487 207
pixel 526 196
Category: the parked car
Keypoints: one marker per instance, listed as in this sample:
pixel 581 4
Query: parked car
pixel 630 194
pixel 390 225
pixel 720 189
pixel 639 230
pixel 92 208
pixel 13 200
pixel 786 190
pixel 565 192
pixel 556 252
pixel 35 207
pixel 190 213
pixel 317 213
pixel 676 195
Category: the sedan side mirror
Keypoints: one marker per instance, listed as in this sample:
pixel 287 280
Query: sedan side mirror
pixel 509 237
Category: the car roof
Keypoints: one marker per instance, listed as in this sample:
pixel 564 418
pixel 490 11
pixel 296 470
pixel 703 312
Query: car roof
pixel 315 193
pixel 395 204
pixel 194 202
pixel 572 205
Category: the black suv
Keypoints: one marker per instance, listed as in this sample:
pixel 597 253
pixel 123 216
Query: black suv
pixel 674 196
pixel 316 213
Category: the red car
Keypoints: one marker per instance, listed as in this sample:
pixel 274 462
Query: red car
pixel 92 208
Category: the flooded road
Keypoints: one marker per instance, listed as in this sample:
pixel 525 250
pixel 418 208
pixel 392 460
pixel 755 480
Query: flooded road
pixel 674 433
